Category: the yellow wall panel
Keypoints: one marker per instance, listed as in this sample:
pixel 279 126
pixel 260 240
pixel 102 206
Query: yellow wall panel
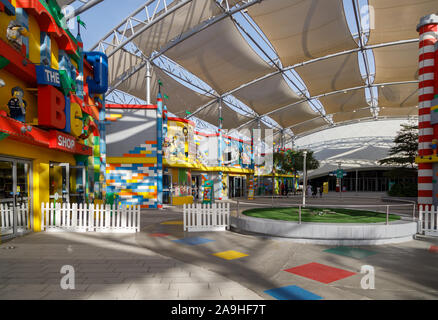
pixel 29 96
pixel 54 54
pixel 34 40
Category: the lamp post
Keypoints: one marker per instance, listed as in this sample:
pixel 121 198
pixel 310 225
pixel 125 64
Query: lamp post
pixel 304 178
pixel 340 179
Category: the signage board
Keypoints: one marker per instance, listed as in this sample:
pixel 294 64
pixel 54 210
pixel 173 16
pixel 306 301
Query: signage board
pixel 208 192
pixel 47 76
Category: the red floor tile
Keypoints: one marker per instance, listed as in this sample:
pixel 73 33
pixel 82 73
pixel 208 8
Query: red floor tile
pixel 433 249
pixel 320 272
pixel 158 235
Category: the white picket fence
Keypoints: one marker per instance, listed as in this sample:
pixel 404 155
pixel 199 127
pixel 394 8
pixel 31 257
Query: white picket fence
pixel 7 217
pixel 75 217
pixel 207 217
pixel 428 221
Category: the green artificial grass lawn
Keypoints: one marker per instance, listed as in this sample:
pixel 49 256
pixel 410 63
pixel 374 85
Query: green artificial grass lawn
pixel 312 215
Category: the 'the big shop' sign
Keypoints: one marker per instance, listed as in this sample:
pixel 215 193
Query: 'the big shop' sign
pixel 59 112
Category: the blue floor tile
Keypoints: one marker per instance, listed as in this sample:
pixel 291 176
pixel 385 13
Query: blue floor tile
pixel 193 241
pixel 292 293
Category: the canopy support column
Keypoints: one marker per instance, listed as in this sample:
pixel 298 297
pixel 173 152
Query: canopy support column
pixel 148 83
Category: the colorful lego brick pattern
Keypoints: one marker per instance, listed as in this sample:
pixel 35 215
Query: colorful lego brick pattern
pixel 135 183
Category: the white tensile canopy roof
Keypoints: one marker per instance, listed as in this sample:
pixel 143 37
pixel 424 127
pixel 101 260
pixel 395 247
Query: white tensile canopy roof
pixel 339 76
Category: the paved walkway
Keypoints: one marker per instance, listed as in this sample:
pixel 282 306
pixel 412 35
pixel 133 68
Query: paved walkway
pixel 163 262
pixel 106 267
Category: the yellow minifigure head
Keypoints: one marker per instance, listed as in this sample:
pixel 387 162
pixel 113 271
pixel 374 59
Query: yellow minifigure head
pixel 17 92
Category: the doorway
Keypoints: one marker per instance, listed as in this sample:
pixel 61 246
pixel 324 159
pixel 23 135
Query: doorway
pixel 15 197
pixel 68 183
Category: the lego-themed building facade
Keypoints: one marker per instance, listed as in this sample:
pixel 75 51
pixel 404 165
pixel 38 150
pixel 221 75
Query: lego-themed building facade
pixel 154 159
pixel 52 105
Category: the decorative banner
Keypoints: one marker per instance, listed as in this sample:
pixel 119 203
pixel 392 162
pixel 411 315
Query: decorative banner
pixel 208 192
pixel 47 76
pixel 251 188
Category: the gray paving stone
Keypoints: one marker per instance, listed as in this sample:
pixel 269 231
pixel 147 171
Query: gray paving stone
pixel 25 287
pixel 57 287
pixel 157 295
pixel 108 287
pixel 113 295
pixel 67 295
pixel 143 280
pixel 22 295
pixel 151 287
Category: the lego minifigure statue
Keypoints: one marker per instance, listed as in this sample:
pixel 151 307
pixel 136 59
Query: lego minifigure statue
pixel 434 146
pixel 14 34
pixel 17 106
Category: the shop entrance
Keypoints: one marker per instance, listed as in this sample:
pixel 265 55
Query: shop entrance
pixel 167 189
pixel 15 197
pixel 237 187
pixel 67 183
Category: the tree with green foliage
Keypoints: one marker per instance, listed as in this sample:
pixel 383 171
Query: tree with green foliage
pixel 402 155
pixel 292 161
pixel 405 147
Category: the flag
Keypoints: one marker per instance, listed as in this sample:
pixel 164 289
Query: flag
pixel 159 82
pixel 82 23
pixel 165 96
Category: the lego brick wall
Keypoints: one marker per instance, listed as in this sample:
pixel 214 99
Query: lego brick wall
pixel 132 156
pixel 134 183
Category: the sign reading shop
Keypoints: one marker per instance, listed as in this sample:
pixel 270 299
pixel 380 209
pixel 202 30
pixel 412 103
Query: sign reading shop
pixel 59 140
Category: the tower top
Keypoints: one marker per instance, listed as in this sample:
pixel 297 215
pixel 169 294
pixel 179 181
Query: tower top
pixel 428 19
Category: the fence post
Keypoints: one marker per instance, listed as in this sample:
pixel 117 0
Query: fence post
pixel 185 206
pixel 138 218
pixel 228 216
pixel 413 211
pixel 299 214
pixel 387 215
pixel 43 218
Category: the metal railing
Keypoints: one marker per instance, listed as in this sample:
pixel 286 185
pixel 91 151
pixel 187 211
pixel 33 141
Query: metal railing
pixel 385 208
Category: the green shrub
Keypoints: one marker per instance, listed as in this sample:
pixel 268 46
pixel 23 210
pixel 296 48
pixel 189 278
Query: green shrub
pixel 403 190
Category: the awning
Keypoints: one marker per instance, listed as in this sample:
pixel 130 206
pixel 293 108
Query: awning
pixel 341 102
pixel 295 114
pixel 398 112
pixel 220 56
pixel 231 119
pixel 267 95
pixel 396 63
pixel 352 115
pixel 396 20
pixel 303 30
pixel 399 95
pixel 331 74
pixel 174 24
pixel 309 125
pixel 180 99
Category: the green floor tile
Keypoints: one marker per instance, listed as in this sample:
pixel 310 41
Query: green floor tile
pixel 356 253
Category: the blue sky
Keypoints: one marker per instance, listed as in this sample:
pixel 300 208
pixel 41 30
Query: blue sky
pixel 104 17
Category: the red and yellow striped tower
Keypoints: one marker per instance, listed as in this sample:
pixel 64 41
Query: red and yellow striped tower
pixel 428 29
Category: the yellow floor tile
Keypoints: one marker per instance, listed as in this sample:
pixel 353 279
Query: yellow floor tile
pixel 173 222
pixel 230 255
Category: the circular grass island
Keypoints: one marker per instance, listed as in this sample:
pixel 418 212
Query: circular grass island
pixel 334 226
pixel 320 215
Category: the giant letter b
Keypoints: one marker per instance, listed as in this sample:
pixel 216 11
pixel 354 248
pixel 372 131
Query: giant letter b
pixel 51 105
